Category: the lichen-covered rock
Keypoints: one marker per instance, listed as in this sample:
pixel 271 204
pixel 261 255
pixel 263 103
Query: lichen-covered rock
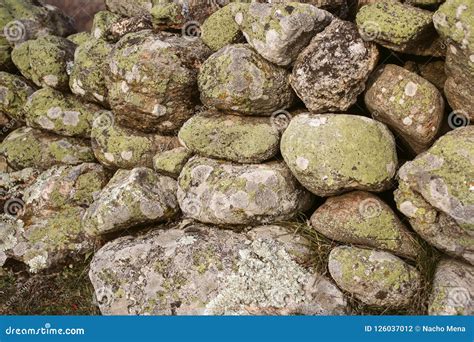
pixel 362 218
pixel 459 86
pixel 221 28
pixel 12 187
pixel 6 18
pixel 362 157
pixel 170 163
pixel 279 32
pixel 231 137
pixel 60 113
pixel 436 193
pixel 374 277
pixel 433 71
pixel 453 289
pixel 79 38
pixel 28 147
pixel 132 197
pixel 14 91
pixel 47 61
pixel 407 103
pixel 87 77
pixel 399 27
pixel 454 20
pixel 118 147
pixel 64 185
pixel 124 26
pixel 210 271
pixel 102 22
pixel 238 79
pixel 218 192
pixel 130 9
pixel 152 82
pixel 331 72
pixel 46 240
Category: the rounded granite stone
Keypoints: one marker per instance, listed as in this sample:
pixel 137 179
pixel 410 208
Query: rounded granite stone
pixel 333 153
pixel 374 277
pixel 237 79
pixel 14 91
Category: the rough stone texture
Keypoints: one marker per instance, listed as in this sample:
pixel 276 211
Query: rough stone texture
pixel 433 72
pixel 453 289
pixel 436 193
pixel 210 271
pixel 459 86
pixel 231 137
pixel 60 113
pixel 127 25
pixel 152 80
pixel 46 240
pixel 399 27
pixel 170 163
pixel 331 72
pixel 12 188
pixel 374 277
pixel 362 157
pixel 103 21
pixel 118 147
pixel 279 32
pixel 361 218
pixel 406 102
pixel 132 197
pixel 64 186
pixel 238 79
pixel 88 73
pixel 221 28
pixel 219 192
pixel 14 91
pixel 28 147
pixel 79 38
pixel 47 61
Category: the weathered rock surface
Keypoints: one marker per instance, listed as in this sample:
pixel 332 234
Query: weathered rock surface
pixel 60 113
pixel 118 147
pixel 103 21
pixel 14 91
pixel 407 103
pixel 237 79
pixel 231 137
pixel 47 61
pixel 436 193
pixel 361 218
pixel 170 163
pixel 222 193
pixel 331 72
pixel 374 277
pixel 152 82
pixel 131 198
pixel 79 38
pixel 334 153
pixel 28 147
pixel 124 26
pixel 399 27
pixel 211 271
pixel 453 289
pixel 88 73
pixel 279 32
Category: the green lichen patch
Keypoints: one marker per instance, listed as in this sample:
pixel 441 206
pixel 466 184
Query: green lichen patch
pixel 170 163
pixel 14 91
pixel 103 20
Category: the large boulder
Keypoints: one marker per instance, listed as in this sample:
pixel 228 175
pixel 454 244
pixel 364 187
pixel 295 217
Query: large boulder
pixel 237 79
pixel 453 289
pixel 28 147
pixel 279 32
pixel 201 270
pixel 47 61
pixel 406 102
pixel 334 153
pixel 327 84
pixel 152 80
pixel 218 192
pixel 374 277
pixel 436 193
pixel 60 113
pixel 231 137
pixel 14 91
pixel 131 198
pixel 118 147
pixel 361 218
